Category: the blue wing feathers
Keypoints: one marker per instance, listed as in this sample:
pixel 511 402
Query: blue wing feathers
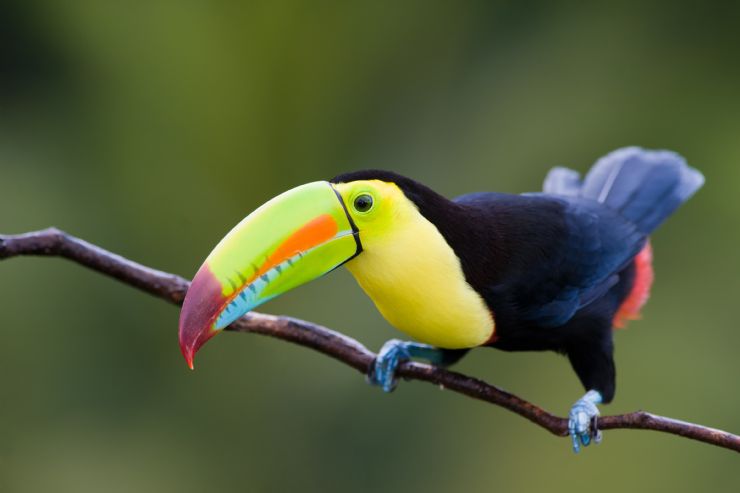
pixel 609 214
pixel 563 249
pixel 562 181
pixel 598 243
pixel 644 186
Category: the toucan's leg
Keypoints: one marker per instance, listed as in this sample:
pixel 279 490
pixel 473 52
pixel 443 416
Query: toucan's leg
pixel 383 370
pixel 593 362
pixel 582 424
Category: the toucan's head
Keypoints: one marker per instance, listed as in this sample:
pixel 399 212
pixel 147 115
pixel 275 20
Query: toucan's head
pixel 294 238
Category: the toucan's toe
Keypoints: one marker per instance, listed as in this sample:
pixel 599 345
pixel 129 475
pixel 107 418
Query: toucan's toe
pixel 582 421
pixel 383 370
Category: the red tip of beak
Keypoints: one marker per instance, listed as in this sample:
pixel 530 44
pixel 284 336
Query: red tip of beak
pixel 203 302
pixel 189 356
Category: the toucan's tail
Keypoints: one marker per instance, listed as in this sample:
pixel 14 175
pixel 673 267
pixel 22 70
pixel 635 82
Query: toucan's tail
pixel 644 186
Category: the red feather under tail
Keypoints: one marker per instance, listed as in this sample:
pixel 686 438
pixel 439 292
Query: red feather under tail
pixel 631 306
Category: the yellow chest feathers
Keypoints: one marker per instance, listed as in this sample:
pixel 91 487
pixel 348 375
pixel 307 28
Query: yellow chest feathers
pixel 416 281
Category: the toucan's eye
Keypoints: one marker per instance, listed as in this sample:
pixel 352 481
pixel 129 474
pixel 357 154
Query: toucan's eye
pixel 363 202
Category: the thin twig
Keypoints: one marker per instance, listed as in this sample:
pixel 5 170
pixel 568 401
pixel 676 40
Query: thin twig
pixel 55 243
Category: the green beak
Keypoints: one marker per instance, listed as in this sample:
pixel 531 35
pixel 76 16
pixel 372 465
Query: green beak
pixel 294 238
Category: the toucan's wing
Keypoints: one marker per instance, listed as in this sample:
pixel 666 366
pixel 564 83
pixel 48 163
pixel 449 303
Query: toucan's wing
pixel 597 244
pixel 557 253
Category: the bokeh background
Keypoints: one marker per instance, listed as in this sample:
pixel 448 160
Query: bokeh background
pixel 151 128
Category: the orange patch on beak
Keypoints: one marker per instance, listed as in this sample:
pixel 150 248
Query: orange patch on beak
pixel 314 232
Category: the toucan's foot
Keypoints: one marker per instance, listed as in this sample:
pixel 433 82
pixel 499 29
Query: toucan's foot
pixel 582 421
pixel 393 353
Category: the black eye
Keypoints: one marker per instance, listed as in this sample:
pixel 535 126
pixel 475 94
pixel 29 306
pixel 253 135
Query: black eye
pixel 363 202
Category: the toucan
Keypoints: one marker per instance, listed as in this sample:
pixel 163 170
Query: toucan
pixel 556 270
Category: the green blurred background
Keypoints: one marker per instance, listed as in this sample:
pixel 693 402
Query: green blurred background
pixel 151 128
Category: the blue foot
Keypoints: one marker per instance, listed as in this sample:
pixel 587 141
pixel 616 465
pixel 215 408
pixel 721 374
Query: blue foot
pixel 392 354
pixel 582 418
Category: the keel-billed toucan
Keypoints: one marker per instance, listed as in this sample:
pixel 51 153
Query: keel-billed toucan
pixel 556 270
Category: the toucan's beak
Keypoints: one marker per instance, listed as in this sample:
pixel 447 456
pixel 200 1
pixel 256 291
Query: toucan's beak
pixel 294 238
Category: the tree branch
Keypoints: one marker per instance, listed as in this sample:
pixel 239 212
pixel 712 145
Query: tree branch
pixel 55 243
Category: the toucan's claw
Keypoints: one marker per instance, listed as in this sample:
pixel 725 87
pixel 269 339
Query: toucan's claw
pixel 582 421
pixel 393 353
pixel 383 370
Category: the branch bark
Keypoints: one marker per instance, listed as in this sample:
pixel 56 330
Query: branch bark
pixel 169 287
